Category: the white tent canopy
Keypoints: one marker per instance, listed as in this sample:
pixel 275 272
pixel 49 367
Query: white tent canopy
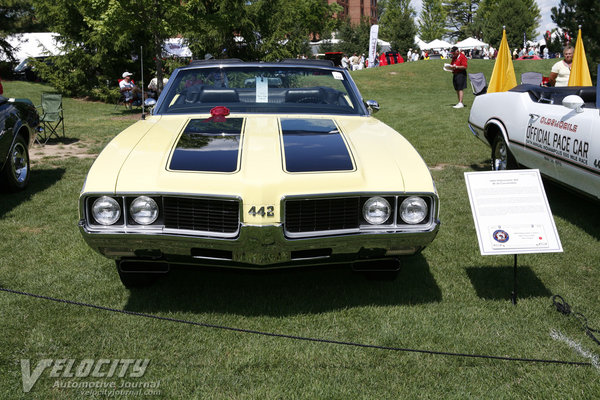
pixel 384 46
pixel 176 47
pixel 35 44
pixel 420 44
pixel 470 43
pixel 436 44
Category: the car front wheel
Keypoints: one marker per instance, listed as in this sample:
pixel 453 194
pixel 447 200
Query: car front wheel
pixel 502 158
pixel 16 170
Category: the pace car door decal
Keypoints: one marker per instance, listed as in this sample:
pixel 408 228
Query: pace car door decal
pixel 311 145
pixel 208 146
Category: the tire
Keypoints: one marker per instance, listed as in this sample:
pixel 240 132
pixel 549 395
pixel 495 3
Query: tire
pixel 16 171
pixel 132 280
pixel 502 158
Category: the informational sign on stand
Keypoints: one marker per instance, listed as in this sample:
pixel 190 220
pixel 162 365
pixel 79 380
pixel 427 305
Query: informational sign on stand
pixel 511 212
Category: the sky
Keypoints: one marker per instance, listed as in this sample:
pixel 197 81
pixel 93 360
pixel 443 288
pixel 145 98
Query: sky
pixel 545 6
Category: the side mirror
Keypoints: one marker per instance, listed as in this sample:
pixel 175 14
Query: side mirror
pixel 372 106
pixel 573 102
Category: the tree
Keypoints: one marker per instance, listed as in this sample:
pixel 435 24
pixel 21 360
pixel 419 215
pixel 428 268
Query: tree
pixel 554 41
pixel 285 26
pixel 519 17
pixel 397 25
pixel 569 15
pixel 461 14
pixel 354 38
pixel 16 16
pixel 103 38
pixel 432 24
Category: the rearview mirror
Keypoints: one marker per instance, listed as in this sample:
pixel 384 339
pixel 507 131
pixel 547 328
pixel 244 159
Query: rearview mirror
pixel 573 102
pixel 372 106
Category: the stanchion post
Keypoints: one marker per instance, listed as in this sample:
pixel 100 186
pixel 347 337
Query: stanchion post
pixel 514 293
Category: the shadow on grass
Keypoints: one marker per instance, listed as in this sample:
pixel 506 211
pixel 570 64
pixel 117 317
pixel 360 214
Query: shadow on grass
pixel 41 179
pixel 284 292
pixel 496 283
pixel 482 166
pixel 575 208
pixel 60 140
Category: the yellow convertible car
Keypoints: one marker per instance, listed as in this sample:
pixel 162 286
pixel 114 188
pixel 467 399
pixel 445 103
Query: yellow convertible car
pixel 258 165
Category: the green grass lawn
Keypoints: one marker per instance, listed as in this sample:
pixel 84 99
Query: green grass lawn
pixel 449 298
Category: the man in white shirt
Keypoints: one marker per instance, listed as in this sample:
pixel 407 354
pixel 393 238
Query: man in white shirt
pixel 128 88
pixel 559 75
pixel 345 61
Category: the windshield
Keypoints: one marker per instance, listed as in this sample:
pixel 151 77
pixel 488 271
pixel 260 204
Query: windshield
pixel 269 89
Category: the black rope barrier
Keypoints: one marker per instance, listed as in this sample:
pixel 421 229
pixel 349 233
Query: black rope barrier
pixel 295 337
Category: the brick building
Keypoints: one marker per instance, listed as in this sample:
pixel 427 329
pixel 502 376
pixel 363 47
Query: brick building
pixel 357 9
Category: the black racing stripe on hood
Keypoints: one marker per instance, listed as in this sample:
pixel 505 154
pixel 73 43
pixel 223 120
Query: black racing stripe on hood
pixel 208 146
pixel 314 145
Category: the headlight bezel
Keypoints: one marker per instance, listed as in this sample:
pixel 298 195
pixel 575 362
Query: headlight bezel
pixel 414 200
pixel 125 220
pixel 118 220
pixel 148 200
pixel 379 201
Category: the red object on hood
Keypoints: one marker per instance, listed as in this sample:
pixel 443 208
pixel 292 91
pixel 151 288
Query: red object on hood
pixel 218 114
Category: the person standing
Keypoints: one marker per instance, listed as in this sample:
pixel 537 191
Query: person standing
pixel 459 74
pixel 559 75
pixel 345 61
pixel 354 62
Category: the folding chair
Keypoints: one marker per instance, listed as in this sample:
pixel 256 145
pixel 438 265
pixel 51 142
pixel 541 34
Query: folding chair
pixel 52 116
pixel 478 83
pixel 531 78
pixel 120 101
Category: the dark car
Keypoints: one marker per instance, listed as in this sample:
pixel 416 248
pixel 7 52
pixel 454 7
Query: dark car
pixel 26 70
pixel 18 127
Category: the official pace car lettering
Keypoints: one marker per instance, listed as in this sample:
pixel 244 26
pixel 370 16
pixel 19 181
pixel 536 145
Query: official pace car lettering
pixel 208 146
pixel 314 145
pixel 556 137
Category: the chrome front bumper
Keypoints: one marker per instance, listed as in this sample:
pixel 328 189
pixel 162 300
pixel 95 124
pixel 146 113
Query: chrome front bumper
pixel 258 247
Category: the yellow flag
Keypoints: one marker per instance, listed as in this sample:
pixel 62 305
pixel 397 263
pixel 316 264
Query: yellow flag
pixel 580 73
pixel 503 76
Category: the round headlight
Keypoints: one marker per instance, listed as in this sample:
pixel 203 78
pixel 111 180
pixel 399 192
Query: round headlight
pixel 413 210
pixel 106 210
pixel 144 210
pixel 376 210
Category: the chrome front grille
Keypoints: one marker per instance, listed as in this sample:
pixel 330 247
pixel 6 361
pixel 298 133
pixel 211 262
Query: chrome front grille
pixel 208 215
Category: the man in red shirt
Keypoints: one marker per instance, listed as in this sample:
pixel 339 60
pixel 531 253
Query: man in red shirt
pixel 459 74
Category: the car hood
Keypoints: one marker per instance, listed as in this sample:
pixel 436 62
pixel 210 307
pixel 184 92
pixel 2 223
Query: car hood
pixel 261 158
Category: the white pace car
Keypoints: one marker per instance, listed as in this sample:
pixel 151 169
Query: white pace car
pixel 556 130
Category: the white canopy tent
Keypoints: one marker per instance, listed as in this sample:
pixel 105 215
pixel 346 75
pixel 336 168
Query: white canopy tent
pixel 384 46
pixel 34 44
pixel 436 44
pixel 420 44
pixel 176 47
pixel 470 43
